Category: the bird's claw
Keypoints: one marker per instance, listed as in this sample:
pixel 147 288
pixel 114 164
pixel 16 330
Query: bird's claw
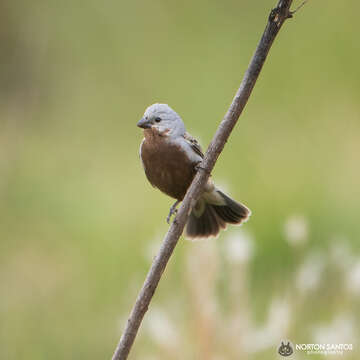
pixel 198 167
pixel 173 211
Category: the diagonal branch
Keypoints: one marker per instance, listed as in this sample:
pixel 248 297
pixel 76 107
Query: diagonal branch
pixel 276 19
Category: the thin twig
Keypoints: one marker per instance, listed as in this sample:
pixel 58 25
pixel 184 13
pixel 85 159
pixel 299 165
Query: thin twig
pixel 299 7
pixel 276 19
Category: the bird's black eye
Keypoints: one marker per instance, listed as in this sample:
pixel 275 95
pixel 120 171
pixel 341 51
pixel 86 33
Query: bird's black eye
pixel 157 119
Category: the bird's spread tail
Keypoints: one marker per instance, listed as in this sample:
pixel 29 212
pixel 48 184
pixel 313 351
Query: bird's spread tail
pixel 213 212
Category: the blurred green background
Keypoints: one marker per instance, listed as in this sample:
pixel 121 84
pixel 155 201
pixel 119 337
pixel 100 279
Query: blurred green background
pixel 79 223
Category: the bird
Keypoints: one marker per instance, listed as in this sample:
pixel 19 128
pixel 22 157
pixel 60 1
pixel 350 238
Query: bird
pixel 171 157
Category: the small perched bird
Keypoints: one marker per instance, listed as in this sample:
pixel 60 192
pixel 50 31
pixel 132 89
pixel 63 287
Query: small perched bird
pixel 171 158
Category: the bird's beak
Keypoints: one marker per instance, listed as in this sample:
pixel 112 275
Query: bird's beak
pixel 144 123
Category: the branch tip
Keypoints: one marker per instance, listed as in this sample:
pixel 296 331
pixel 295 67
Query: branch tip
pixel 291 13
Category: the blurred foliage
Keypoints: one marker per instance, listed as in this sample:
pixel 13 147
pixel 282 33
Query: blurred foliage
pixel 78 218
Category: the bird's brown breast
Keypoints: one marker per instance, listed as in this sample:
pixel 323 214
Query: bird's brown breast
pixel 166 165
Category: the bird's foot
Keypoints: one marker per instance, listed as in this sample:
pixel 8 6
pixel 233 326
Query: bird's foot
pixel 199 167
pixel 173 211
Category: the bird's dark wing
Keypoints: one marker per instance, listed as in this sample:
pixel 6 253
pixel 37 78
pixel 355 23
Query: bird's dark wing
pixel 194 144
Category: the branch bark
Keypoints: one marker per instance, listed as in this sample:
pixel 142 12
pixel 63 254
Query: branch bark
pixel 276 19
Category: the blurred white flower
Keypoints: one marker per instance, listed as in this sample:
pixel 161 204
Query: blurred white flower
pixel 309 273
pixel 275 328
pixel 340 331
pixel 121 323
pixel 239 247
pixel 160 328
pixel 341 253
pixel 279 316
pixel 296 230
pixel 202 269
pixel 353 278
pixel 152 248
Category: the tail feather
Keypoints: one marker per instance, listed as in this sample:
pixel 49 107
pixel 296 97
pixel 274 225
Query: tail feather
pixel 203 226
pixel 226 214
pixel 208 218
pixel 233 212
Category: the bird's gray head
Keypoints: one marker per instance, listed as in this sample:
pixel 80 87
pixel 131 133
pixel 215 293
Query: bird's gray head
pixel 164 119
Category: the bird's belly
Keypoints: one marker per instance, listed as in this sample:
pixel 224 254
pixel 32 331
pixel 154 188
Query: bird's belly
pixel 169 169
